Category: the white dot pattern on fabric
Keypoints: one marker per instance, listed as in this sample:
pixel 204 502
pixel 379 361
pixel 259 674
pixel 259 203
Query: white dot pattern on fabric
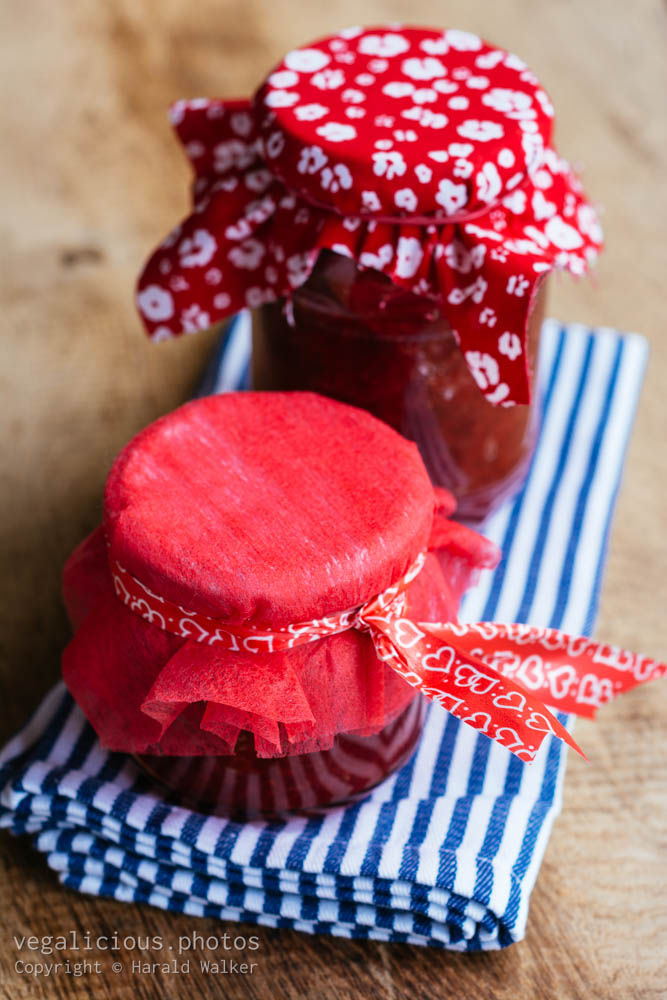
pixel 407 150
pixel 417 67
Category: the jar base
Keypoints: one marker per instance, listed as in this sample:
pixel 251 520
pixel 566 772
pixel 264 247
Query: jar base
pixel 242 786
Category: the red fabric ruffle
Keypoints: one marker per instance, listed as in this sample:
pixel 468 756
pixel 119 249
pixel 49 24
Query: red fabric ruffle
pixel 251 240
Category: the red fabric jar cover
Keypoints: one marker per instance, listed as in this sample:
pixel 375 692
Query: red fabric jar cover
pixel 252 574
pixel 245 507
pixel 423 154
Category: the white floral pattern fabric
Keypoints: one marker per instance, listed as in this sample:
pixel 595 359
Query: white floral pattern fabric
pixel 424 154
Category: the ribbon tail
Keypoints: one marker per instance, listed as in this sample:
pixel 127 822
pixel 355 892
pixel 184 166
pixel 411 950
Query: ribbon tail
pixel 474 692
pixel 575 673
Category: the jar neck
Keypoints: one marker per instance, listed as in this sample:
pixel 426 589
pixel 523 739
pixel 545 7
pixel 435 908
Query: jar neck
pixel 362 303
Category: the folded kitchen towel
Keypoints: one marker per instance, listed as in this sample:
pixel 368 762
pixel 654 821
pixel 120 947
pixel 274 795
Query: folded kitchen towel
pixel 447 850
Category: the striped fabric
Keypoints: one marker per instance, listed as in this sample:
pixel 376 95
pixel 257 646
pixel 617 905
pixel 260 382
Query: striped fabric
pixel 447 850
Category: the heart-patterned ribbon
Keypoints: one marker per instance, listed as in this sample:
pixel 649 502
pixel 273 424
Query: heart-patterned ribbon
pixel 495 678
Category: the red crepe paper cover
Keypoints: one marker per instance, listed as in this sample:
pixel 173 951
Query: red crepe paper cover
pixel 424 154
pixel 252 574
pixel 248 508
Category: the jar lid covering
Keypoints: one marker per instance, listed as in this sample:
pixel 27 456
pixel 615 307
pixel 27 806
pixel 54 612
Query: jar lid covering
pixel 245 507
pixel 403 121
pixel 438 172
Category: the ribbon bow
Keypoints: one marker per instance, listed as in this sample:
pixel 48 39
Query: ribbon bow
pixel 495 678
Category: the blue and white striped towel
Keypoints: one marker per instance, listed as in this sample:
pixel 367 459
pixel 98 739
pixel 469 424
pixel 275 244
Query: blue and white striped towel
pixel 445 852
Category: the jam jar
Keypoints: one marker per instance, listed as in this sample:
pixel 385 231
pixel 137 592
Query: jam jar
pixel 355 336
pixel 218 611
pixel 390 204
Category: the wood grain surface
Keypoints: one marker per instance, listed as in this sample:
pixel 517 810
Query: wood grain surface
pixel 91 178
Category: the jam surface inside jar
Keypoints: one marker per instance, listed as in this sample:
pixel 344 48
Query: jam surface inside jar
pixel 244 786
pixel 355 336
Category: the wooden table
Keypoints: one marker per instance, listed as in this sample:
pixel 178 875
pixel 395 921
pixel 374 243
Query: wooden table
pixel 91 179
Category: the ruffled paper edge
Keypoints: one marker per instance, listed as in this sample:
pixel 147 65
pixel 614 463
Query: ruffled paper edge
pixel 148 691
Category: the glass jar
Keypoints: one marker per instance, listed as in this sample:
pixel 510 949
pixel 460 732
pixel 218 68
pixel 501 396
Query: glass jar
pixel 468 209
pixel 209 641
pixel 244 786
pixel 355 336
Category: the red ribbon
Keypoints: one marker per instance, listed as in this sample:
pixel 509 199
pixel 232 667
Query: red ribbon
pixel 493 677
